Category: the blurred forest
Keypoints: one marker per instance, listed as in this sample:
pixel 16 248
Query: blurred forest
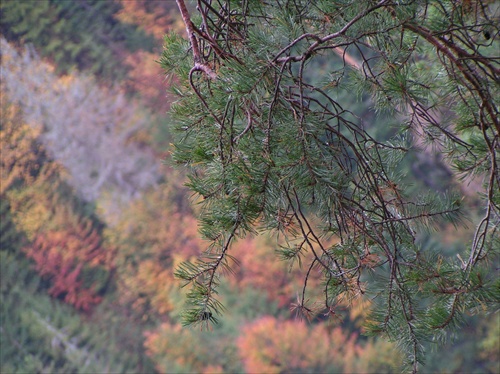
pixel 94 220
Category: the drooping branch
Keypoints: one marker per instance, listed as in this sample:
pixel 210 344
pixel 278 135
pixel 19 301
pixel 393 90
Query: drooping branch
pixel 457 60
pixel 321 40
pixel 284 144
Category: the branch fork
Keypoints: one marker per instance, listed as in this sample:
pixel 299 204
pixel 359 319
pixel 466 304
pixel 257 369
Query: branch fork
pixel 199 65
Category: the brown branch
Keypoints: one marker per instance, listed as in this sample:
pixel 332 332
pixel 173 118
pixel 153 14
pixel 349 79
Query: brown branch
pixel 326 38
pixel 458 62
pixel 190 29
pixel 348 58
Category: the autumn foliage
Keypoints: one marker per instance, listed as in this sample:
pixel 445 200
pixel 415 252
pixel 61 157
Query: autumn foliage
pixel 62 257
pixel 165 232
pixel 65 245
pixel 271 345
pixel 92 219
pixel 154 17
pixel 145 76
pixel 258 264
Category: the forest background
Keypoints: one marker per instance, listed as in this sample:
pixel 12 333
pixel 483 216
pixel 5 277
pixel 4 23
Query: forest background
pixel 94 220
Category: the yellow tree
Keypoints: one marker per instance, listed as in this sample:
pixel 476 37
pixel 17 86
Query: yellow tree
pixel 63 240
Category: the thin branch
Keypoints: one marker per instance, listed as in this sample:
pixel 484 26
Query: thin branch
pixel 458 62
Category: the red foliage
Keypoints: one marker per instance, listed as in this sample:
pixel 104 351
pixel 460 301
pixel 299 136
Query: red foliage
pixel 61 255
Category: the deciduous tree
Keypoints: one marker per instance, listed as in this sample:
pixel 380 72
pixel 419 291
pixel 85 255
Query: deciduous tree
pixel 62 238
pixel 268 345
pixel 86 128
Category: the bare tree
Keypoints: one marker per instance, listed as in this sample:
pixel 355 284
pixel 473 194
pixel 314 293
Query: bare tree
pixel 87 128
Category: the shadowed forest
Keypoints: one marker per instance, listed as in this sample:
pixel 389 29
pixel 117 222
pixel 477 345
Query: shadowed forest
pixel 95 219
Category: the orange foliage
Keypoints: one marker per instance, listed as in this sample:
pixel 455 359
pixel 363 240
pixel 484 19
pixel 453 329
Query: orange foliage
pixel 150 286
pixel 176 349
pixel 145 76
pixel 61 257
pixel 158 225
pixel 151 232
pixel 147 79
pixel 260 268
pixel 271 346
pixel 268 345
pixel 154 17
pixel 21 153
pixel 213 369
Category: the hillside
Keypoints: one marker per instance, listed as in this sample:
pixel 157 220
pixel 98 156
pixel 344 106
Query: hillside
pixel 95 220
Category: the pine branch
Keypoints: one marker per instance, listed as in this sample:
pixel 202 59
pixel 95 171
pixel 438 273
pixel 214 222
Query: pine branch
pixel 199 64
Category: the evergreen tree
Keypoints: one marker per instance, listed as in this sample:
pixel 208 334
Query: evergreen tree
pixel 84 34
pixel 43 335
pixel 273 145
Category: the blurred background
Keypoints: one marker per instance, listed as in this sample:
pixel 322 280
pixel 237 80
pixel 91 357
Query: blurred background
pixel 94 220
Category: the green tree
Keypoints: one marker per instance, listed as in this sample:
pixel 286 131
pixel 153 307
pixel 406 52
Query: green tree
pixel 267 127
pixel 51 242
pixel 43 335
pixel 84 34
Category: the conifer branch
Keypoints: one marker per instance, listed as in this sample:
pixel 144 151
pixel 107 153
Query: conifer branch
pixel 450 50
pixel 289 156
pixel 199 64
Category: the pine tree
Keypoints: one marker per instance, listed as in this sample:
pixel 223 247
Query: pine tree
pixel 82 34
pixel 267 126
